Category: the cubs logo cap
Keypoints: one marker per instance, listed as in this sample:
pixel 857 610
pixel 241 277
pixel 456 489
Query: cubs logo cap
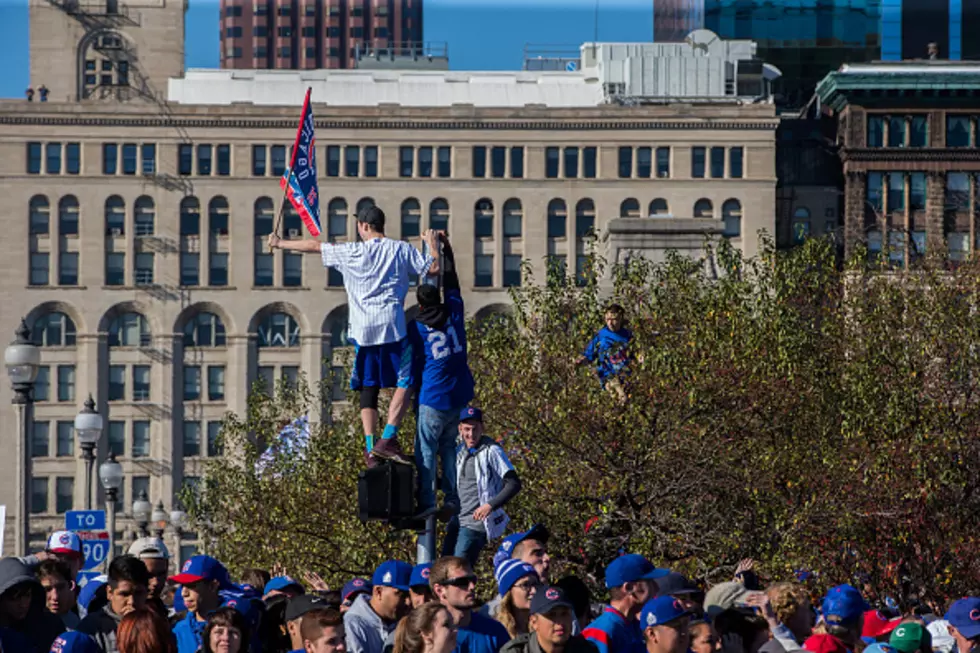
pixel 354 587
pixel 661 610
pixel 420 575
pixel 74 642
pixel 964 616
pixel 548 598
pixel 537 532
pixel 65 543
pixel 843 605
pixel 630 568
pixel 470 414
pixel 200 568
pixel 393 573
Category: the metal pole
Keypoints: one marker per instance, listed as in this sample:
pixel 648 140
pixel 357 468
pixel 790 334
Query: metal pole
pixel 110 509
pixel 88 455
pixel 178 535
pixel 23 537
pixel 426 549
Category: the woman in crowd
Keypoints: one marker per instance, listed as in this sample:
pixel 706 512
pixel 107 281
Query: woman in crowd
pixel 429 628
pixel 226 631
pixel 516 583
pixel 145 631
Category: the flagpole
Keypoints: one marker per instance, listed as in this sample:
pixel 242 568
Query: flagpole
pixel 292 163
pixel 282 210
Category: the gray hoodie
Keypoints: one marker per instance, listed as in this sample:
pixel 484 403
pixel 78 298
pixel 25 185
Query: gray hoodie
pixel 366 631
pixel 40 627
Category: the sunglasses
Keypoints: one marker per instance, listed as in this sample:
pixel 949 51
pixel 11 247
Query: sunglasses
pixel 463 582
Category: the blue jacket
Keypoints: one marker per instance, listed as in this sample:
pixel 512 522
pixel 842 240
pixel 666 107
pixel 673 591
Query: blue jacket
pixel 189 633
pixel 608 351
pixel 612 632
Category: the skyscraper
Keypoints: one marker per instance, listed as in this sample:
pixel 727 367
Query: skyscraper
pixel 675 19
pixel 305 34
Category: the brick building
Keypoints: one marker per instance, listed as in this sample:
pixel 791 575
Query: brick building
pixel 907 133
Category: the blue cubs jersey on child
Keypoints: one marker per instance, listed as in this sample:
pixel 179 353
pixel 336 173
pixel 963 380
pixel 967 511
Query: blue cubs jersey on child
pixel 608 351
pixel 440 352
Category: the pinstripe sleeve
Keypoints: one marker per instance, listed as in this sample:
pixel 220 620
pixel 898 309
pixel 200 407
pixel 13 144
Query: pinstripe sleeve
pixel 334 256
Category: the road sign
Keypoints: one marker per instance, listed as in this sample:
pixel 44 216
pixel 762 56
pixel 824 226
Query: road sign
pixel 86 577
pixel 85 520
pixel 571 66
pixel 95 546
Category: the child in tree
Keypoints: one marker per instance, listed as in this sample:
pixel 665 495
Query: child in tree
pixel 608 350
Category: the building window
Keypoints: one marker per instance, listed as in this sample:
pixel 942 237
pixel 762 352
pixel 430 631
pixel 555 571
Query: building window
pixel 513 218
pixel 571 163
pixel 333 160
pixel 439 215
pixel 73 158
pixel 141 382
pixel 516 162
pixel 896 192
pixel 425 161
pixel 352 161
pixel 65 445
pixel 68 269
pixel 185 159
pixel 129 158
pixel 876 131
pixel 53 157
pixel 258 160
pixel 115 269
pixel 278 156
pixel 292 269
pixel 214 442
pixel 717 162
pixel 557 219
pixel 484 271
pixel 498 162
pixel 39 495
pixel 64 494
pixel 192 383
pixel 957 131
pixel 336 219
pixel 411 217
pixel 629 208
pixel 216 383
pixel 143 268
pixel 644 162
pixel 117 438
pixel 204 330
pixel 223 153
pixel 406 157
pixel 40 269
pixel 39 213
pixel 512 270
pixel 735 158
pixel 731 215
pixel 262 268
pixel 204 159
pixel 896 131
pixel 190 232
pixel 40 440
pixel 192 439
pixel 659 208
pixel 589 162
pixel 117 383
pixel 371 161
pixel 34 158
pixel 144 212
pixel 42 384
pixel 919 131
pixel 68 216
pixel 704 209
pixel 698 162
pixel 551 159
pixel 445 159
pixel 625 162
pixel 278 330
pixel 479 161
pixel 66 383
pixel 53 330
pixel 115 216
pixel 917 191
pixel 801 225
pixel 148 155
pixel 129 330
pixel 483 218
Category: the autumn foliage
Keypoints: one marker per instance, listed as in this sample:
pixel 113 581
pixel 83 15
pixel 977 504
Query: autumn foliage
pixel 812 417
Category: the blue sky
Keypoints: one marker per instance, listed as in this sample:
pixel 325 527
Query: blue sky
pixel 480 35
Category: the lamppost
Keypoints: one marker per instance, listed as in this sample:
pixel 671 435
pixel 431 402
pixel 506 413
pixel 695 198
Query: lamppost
pixel 159 519
pixel 23 359
pixel 88 426
pixel 111 475
pixel 178 519
pixel 141 512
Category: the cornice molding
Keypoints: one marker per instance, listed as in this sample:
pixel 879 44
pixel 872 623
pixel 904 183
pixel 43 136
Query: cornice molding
pixel 919 154
pixel 401 125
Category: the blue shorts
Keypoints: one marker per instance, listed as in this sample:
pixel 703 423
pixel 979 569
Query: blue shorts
pixel 383 366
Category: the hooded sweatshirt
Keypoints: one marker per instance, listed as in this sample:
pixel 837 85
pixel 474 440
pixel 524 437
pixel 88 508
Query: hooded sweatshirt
pixel 101 626
pixel 40 627
pixel 189 633
pixel 366 631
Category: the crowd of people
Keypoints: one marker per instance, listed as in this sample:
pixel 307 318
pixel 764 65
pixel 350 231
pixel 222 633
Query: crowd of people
pixel 138 606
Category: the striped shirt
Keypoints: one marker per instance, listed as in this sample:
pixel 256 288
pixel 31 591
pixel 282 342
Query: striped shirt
pixel 376 276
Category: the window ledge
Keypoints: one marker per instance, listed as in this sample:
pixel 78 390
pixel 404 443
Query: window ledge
pixel 208 287
pixel 56 287
pixel 283 288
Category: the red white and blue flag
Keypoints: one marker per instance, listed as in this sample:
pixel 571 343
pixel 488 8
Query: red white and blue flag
pixel 299 180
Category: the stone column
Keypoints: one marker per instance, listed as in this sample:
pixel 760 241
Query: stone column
pixel 935 203
pixel 855 192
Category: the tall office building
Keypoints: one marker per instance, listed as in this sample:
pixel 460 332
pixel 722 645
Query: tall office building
pixel 909 26
pixel 675 19
pixel 305 34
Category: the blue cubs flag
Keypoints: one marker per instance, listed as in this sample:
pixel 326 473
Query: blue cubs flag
pixel 299 180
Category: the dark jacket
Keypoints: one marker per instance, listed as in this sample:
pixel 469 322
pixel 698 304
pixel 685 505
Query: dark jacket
pixel 529 644
pixel 40 627
pixel 101 626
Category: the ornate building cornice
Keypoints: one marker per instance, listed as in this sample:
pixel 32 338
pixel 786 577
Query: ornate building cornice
pixel 910 155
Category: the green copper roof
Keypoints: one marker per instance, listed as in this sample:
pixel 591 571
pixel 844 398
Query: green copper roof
pixel 895 83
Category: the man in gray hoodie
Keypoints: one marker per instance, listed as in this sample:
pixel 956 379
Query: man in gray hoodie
pixel 22 608
pixel 373 617
pixel 128 588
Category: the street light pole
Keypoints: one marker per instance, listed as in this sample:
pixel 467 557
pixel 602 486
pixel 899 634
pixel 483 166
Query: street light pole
pixel 111 475
pixel 22 360
pixel 88 426
pixel 159 519
pixel 141 512
pixel 178 518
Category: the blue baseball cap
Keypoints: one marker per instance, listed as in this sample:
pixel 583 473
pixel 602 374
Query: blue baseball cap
pixel 548 598
pixel 843 605
pixel 74 642
pixel 506 549
pixel 280 583
pixel 420 575
pixel 630 568
pixel 470 413
pixel 355 586
pixel 880 647
pixel 964 616
pixel 661 610
pixel 198 568
pixel 511 571
pixel 393 573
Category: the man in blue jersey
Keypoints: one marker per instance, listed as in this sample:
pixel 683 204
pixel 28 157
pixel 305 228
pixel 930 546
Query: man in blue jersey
pixel 608 349
pixel 438 339
pixel 631 581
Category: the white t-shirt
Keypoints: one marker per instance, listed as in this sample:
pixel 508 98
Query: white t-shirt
pixel 376 277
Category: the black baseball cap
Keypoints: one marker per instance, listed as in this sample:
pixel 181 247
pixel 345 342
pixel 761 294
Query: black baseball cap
pixel 548 598
pixel 372 216
pixel 675 584
pixel 300 605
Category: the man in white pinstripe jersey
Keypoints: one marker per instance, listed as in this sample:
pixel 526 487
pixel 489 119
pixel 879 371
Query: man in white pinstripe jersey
pixel 376 276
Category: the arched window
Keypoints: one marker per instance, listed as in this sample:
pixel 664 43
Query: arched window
pixel 557 219
pixel 204 330
pixel 584 218
pixel 483 218
pixel 513 218
pixel 115 216
pixel 278 330
pixel 659 208
pixel 731 214
pixel 218 216
pixel 338 326
pixel 411 218
pixel 337 218
pixel 190 216
pixel 100 72
pixel 704 209
pixel 264 213
pixel 68 216
pixel 630 208
pixel 144 213
pixel 129 330
pixel 53 330
pixel 40 214
pixel 262 275
pixel 439 215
